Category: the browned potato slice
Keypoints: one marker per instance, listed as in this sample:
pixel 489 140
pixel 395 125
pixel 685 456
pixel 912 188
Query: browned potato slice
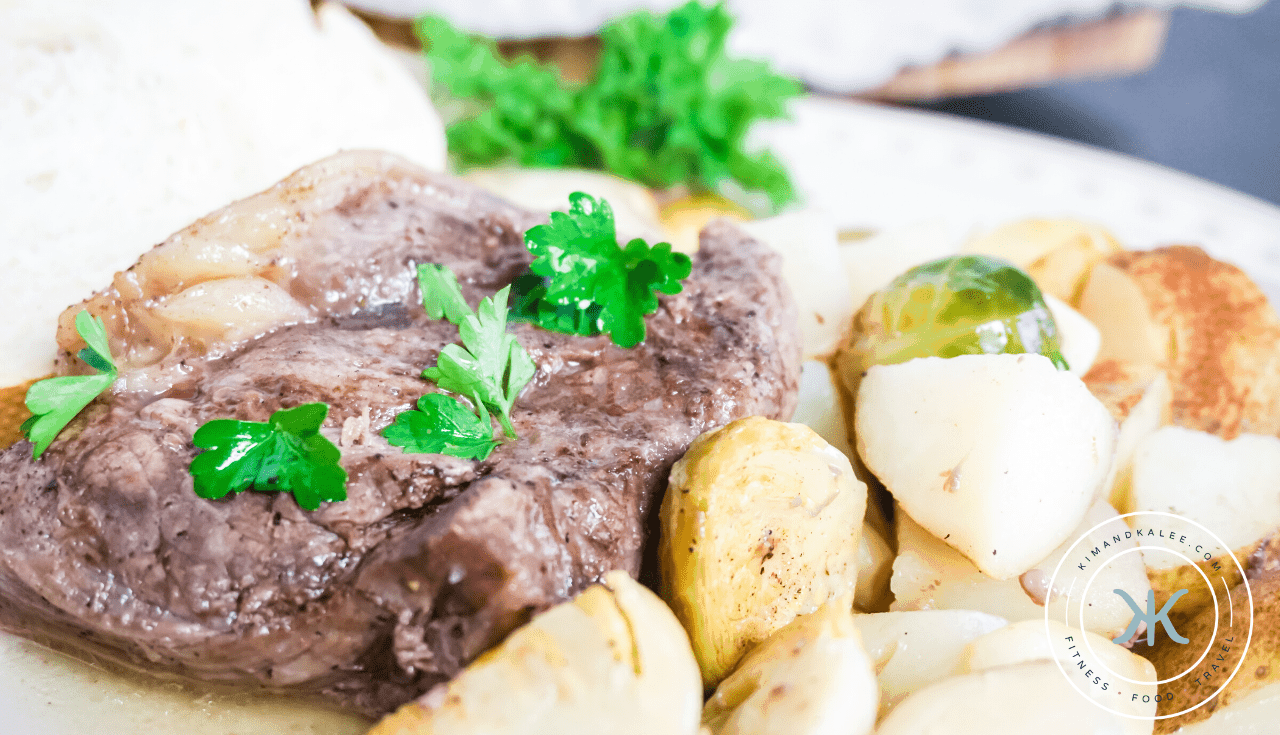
pixel 1057 253
pixel 685 217
pixel 1120 385
pixel 1205 322
pixel 1260 668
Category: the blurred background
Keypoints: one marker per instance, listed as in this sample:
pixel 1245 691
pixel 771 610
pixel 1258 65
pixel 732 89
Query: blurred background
pixel 1208 104
pixel 1190 85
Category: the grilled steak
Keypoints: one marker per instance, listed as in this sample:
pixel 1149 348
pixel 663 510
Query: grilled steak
pixel 432 559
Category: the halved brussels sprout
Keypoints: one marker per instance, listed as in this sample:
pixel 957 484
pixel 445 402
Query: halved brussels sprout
pixel 760 523
pixel 960 305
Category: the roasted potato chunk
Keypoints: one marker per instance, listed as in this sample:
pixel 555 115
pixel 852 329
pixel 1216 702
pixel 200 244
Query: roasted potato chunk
pixel 760 523
pixel 684 218
pixel 1243 700
pixel 612 660
pixel 1205 322
pixel 810 677
pixel 1057 253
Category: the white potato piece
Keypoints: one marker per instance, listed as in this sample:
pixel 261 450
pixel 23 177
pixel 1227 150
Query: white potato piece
pixel 818 406
pixel 1106 612
pixel 930 575
pixel 812 268
pixel 1033 641
pixel 1078 339
pixel 231 309
pixel 760 523
pixel 1228 486
pixel 872 262
pixel 612 660
pixel 811 677
pixel 1023 698
pixel 50 693
pixel 917 648
pixel 1045 640
pixel 998 455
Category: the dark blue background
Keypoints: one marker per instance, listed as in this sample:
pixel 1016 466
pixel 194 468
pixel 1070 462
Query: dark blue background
pixel 1210 106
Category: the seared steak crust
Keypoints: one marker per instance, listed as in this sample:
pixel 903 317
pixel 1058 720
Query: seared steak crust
pixel 432 559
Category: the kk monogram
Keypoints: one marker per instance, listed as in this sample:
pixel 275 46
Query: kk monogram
pixel 1150 617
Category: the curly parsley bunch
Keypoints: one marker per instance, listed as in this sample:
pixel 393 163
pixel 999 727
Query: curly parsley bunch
pixel 666 106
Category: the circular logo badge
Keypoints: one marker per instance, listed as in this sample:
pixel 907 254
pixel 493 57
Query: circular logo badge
pixel 1195 620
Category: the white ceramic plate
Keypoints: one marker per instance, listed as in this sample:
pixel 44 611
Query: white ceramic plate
pixel 874 167
pixel 871 168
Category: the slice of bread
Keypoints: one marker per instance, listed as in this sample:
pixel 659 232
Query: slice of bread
pixel 122 122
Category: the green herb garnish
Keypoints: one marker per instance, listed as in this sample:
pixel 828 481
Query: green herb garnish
pixel 490 365
pixel 443 425
pixel 590 285
pixel 666 105
pixel 489 368
pixel 284 454
pixel 55 401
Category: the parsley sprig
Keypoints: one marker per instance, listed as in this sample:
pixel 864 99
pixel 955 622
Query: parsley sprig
pixel 583 282
pixel 444 425
pixel 489 368
pixel 666 105
pixel 286 453
pixel 55 401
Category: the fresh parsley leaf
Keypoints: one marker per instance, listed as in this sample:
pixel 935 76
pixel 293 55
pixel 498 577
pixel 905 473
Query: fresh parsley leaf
pixel 287 453
pixel 669 106
pixel 583 269
pixel 666 105
pixel 443 425
pixel 490 365
pixel 55 401
pixel 528 304
pixel 441 295
pixel 489 368
pixel 522 111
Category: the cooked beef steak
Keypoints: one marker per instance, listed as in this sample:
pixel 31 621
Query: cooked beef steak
pixel 432 559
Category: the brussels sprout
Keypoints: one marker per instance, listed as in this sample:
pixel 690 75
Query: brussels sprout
pixel 760 523
pixel 960 305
